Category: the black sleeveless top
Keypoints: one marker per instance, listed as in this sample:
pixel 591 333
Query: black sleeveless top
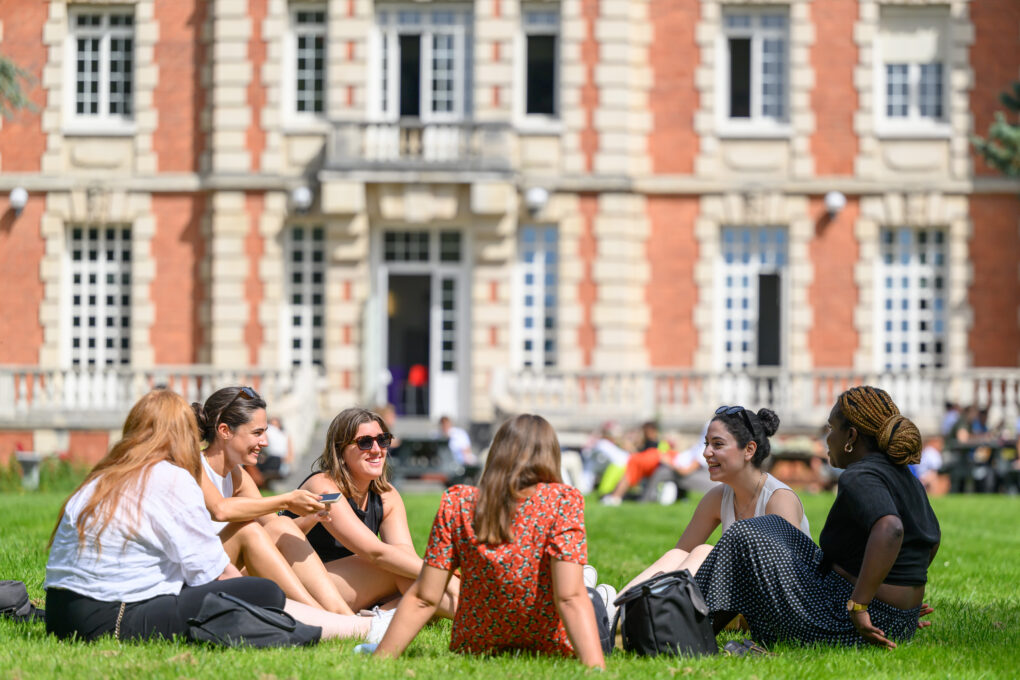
pixel 327 547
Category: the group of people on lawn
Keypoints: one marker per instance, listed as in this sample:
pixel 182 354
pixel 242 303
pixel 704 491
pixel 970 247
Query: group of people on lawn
pixel 170 515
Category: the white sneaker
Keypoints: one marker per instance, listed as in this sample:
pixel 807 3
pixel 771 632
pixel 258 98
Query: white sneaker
pixel 381 619
pixel 608 594
pixel 591 577
pixel 610 500
pixel 668 493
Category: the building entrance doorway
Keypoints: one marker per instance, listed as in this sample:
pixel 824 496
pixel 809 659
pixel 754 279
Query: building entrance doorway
pixel 407 331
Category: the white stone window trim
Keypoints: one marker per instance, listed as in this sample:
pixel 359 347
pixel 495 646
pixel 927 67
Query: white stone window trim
pixel 388 22
pixel 102 124
pixel 914 126
pixel 537 123
pixel 294 120
pixel 756 126
pixel 518 332
pixel 308 333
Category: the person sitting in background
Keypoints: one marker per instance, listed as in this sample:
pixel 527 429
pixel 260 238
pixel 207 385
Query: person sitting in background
pixel 929 467
pixel 607 457
pixel 519 541
pixel 458 441
pixel 277 456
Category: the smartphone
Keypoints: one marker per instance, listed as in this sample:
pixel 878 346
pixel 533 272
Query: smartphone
pixel 328 498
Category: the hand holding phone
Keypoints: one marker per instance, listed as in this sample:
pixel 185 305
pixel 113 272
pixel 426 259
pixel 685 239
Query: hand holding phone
pixel 329 498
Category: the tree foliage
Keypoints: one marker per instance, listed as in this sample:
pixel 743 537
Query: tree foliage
pixel 1001 148
pixel 13 83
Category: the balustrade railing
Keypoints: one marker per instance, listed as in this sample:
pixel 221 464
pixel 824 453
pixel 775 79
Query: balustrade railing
pixel 803 400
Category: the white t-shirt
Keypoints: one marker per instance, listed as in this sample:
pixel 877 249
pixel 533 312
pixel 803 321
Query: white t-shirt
pixel 728 515
pixel 225 485
pixel 173 543
pixel 460 445
pixel 277 442
pixel 613 453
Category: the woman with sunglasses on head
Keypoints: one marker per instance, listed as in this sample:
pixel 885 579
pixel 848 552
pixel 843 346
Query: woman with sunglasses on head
pixel 865 583
pixel 365 541
pixel 233 424
pixel 736 446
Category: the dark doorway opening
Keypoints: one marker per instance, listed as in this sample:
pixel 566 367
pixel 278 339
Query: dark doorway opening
pixel 410 76
pixel 769 319
pixel 407 356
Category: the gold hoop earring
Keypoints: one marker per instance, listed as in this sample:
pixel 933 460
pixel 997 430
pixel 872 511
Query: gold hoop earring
pixel 848 448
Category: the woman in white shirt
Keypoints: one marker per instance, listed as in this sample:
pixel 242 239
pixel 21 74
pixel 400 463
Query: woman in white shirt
pixel 233 424
pixel 134 552
pixel 736 446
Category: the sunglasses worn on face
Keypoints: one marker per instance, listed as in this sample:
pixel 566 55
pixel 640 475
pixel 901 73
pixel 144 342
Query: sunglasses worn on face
pixel 246 392
pixel 733 410
pixel 365 443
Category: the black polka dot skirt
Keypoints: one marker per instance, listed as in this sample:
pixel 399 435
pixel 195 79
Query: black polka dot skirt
pixel 768 570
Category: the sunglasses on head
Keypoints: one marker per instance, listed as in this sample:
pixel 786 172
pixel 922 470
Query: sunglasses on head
pixel 365 443
pixel 248 393
pixel 733 410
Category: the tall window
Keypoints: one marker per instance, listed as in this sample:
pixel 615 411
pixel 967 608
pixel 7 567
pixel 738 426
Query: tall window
pixel 424 62
pixel 101 46
pixel 748 312
pixel 308 25
pixel 305 253
pixel 912 77
pixel 536 296
pixel 100 295
pixel 541 37
pixel 912 299
pixel 755 66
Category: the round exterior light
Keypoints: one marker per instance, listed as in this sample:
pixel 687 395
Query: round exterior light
pixel 834 202
pixel 536 198
pixel 18 199
pixel 301 198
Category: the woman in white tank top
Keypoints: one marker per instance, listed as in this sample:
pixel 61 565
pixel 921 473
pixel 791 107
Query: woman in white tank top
pixel 736 445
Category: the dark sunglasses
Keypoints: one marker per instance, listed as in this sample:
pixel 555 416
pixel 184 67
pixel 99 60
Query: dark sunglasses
pixel 246 392
pixel 365 443
pixel 733 410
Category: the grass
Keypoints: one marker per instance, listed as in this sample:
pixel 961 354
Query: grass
pixel 973 586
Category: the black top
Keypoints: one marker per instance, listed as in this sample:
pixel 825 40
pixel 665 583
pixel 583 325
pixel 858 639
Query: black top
pixel 327 547
pixel 870 489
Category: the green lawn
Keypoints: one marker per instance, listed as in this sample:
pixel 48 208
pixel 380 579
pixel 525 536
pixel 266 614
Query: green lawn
pixel 973 587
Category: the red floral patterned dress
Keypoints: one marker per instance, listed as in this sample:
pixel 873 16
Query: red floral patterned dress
pixel 506 597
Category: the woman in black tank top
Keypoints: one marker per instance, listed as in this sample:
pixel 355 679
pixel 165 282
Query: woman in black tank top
pixel 364 542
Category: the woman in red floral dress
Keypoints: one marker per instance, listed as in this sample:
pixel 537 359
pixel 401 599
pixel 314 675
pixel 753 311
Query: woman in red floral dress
pixel 519 542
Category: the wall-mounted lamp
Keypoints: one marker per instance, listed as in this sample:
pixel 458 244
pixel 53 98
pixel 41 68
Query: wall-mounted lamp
pixel 301 198
pixel 535 199
pixel 834 202
pixel 18 199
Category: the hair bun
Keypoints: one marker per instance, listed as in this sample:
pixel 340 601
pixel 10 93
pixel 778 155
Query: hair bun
pixel 769 420
pixel 900 439
pixel 201 419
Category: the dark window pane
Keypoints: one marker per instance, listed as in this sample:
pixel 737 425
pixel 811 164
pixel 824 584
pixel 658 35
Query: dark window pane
pixel 740 78
pixel 541 83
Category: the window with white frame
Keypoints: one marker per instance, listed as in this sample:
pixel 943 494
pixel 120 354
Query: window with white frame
pixel 308 59
pixel 754 68
pixel 305 290
pixel 912 299
pixel 101 54
pixel 537 281
pixel 912 75
pixel 541 61
pixel 423 61
pixel 748 314
pixel 100 296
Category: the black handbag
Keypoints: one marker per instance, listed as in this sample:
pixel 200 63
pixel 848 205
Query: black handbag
pixel 14 603
pixel 229 621
pixel 665 615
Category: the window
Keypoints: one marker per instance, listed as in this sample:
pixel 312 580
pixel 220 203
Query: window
pixel 305 290
pixel 101 61
pixel 912 77
pixel 100 296
pixel 308 27
pixel 748 313
pixel 424 63
pixel 536 298
pixel 755 68
pixel 541 38
pixel 912 299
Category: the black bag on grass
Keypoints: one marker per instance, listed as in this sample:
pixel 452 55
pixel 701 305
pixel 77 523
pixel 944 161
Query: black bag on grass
pixel 665 615
pixel 14 603
pixel 231 622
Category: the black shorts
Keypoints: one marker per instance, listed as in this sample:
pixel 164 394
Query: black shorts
pixel 69 614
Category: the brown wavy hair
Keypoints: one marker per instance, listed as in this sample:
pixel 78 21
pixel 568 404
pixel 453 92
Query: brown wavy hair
pixel 160 426
pixel 872 411
pixel 524 452
pixel 341 432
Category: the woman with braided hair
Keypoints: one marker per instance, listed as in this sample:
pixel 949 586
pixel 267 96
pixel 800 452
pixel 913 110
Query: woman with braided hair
pixel 865 583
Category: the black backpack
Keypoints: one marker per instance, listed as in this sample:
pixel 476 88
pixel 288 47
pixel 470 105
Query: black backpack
pixel 14 603
pixel 229 621
pixel 665 615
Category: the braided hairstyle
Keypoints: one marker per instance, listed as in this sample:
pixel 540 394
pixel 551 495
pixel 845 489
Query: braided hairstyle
pixel 872 411
pixel 765 423
pixel 225 405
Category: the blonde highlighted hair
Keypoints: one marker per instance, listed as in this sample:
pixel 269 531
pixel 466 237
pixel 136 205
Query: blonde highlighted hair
pixel 341 432
pixel 872 411
pixel 160 427
pixel 524 452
